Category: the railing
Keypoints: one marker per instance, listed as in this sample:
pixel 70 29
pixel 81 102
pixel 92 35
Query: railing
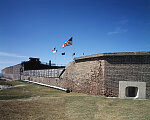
pixel 44 73
pixel 53 64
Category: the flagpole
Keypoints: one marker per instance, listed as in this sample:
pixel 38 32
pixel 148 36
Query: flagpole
pixel 55 54
pixel 55 58
pixel 72 48
pixel 64 59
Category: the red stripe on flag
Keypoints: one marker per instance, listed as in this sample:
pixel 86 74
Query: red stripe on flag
pixel 67 43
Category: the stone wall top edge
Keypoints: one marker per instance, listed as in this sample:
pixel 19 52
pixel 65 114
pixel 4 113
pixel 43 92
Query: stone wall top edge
pixel 114 54
pixel 11 66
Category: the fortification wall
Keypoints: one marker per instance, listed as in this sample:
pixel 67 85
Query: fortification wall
pixel 12 72
pixel 101 75
pixel 49 81
pixel 127 68
pixel 47 76
pixel 85 77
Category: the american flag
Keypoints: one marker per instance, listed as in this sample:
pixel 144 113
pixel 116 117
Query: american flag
pixel 67 43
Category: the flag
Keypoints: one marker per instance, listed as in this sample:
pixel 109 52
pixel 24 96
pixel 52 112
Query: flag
pixel 54 49
pixel 73 54
pixel 63 53
pixel 67 43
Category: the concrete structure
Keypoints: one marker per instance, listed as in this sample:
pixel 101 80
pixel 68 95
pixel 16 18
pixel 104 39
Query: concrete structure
pixel 124 75
pixel 129 89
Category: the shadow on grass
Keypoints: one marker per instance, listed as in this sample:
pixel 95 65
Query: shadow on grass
pixel 14 93
pixel 4 82
pixel 27 90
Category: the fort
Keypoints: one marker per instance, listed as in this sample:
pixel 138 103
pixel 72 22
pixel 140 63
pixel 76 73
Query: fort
pixel 122 74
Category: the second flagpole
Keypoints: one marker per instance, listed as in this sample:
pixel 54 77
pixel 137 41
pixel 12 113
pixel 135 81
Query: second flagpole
pixel 72 48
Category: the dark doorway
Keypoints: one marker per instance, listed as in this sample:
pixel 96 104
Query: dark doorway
pixel 131 91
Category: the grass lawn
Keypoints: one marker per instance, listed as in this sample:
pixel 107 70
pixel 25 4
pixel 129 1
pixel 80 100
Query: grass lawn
pixel 34 102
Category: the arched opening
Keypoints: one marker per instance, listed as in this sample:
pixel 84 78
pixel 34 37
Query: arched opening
pixel 131 91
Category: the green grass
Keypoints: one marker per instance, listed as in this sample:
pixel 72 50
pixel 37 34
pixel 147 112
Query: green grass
pixel 34 102
pixel 4 82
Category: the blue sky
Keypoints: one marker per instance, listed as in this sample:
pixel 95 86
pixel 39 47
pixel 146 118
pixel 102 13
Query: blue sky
pixel 32 28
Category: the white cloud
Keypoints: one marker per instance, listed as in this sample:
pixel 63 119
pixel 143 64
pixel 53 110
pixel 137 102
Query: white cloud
pixel 11 55
pixel 7 62
pixel 118 30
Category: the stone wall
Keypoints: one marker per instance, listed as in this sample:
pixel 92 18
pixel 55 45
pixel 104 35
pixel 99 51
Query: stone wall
pixel 51 81
pixel 47 76
pixel 12 72
pixel 126 68
pixel 85 77
pixel 101 75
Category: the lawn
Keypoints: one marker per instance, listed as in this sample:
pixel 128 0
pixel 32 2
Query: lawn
pixel 33 102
